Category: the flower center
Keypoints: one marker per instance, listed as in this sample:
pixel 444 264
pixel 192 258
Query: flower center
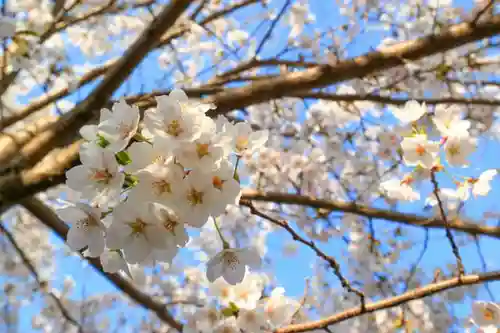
pixel 489 315
pixel 453 150
pixel 162 186
pixel 217 182
pixel 194 197
pixel 169 224
pixel 202 149
pixel 159 159
pixel 102 176
pixel 174 128
pixel 137 226
pixel 88 221
pixel 420 150
pixel 231 260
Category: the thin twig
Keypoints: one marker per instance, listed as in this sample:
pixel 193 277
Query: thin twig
pixel 449 235
pixel 331 261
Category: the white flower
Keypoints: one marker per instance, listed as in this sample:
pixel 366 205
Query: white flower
pixel 244 295
pixel 120 125
pixel 227 325
pixel 458 149
pixel 195 199
pixel 418 150
pixel 486 314
pixel 205 319
pixel 158 183
pixel 231 264
pixel 449 122
pixel 98 178
pixel 245 139
pixel 173 224
pixel 450 198
pixel 225 188
pixel 173 119
pixel 136 230
pixel 410 112
pixel 253 320
pixel 481 186
pixel 206 151
pixel 279 309
pixel 7 27
pixel 86 228
pixel 397 190
pixel 113 262
pixel 143 154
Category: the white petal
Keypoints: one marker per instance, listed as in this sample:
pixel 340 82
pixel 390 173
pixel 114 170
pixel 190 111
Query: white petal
pixel 250 257
pixel 136 249
pixel 156 236
pixel 76 239
pixel 96 242
pixel 89 132
pixel 214 268
pixel 234 274
pixel 71 214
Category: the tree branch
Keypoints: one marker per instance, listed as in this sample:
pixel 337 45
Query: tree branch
pixel 387 303
pixel 47 216
pixel 366 211
pixel 324 75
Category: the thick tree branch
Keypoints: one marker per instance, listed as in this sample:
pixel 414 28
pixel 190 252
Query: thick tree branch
pixel 65 129
pixel 47 216
pixel 324 75
pixel 96 73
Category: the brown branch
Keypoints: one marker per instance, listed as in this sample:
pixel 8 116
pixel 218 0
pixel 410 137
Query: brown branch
pixel 47 216
pixel 42 284
pixel 296 237
pixel 324 75
pixel 390 100
pixel 66 128
pixel 449 235
pixel 366 211
pixel 387 303
pixel 96 73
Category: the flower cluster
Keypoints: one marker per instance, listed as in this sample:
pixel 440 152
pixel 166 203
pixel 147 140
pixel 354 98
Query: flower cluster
pixel 141 189
pixel 422 145
pixel 243 308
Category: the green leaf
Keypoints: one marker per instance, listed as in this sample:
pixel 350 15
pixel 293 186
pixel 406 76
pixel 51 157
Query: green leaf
pixel 234 307
pixel 102 141
pixel 227 312
pixel 130 180
pixel 123 158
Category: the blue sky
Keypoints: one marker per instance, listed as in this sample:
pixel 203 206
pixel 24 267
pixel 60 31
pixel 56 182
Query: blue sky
pixel 293 279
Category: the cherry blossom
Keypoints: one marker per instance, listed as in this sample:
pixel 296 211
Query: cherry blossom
pixel 231 264
pixel 418 150
pixel 136 230
pixel 410 112
pixel 486 315
pixel 86 228
pixel 99 177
